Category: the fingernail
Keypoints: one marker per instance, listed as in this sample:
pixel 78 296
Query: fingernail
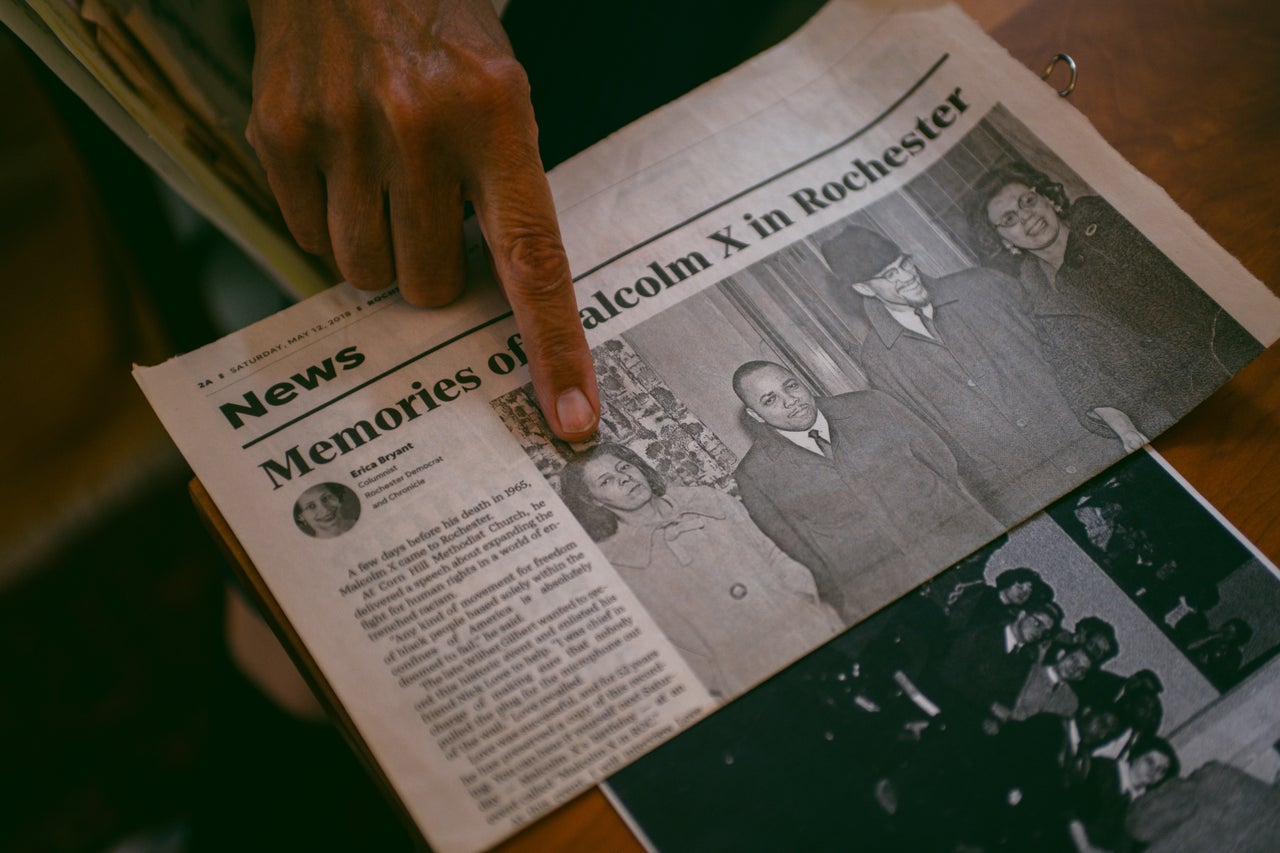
pixel 575 412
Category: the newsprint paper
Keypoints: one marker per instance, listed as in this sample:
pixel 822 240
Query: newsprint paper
pixel 858 308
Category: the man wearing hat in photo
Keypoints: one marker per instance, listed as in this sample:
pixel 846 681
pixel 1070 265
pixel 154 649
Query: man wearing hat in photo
pixel 960 353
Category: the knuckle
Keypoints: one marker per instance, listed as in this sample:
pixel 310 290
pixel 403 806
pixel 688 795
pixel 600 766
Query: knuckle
pixel 501 83
pixel 558 346
pixel 340 113
pixel 406 114
pixel 278 131
pixel 507 74
pixel 366 267
pixel 281 116
pixel 536 265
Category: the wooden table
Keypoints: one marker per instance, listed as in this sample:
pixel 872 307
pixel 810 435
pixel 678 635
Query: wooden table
pixel 1189 92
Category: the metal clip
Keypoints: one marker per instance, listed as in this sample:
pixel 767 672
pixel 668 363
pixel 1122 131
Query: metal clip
pixel 1071 64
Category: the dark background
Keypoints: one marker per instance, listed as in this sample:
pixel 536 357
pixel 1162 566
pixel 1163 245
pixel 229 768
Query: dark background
pixel 127 725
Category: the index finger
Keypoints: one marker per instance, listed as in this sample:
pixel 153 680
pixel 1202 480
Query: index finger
pixel 517 216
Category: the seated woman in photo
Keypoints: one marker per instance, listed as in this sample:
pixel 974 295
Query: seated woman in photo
pixel 723 593
pixel 1134 342
pixel 1103 799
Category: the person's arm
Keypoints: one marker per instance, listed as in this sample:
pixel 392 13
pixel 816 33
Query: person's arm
pixel 376 121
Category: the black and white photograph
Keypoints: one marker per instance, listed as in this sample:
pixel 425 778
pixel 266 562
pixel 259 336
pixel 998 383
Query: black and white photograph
pixel 1205 589
pixel 656 494
pixel 1019 701
pixel 326 510
pixel 881 397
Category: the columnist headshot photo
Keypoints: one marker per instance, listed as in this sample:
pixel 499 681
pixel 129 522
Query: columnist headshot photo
pixel 326 510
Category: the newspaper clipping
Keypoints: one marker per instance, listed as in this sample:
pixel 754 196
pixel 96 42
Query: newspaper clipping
pixel 857 309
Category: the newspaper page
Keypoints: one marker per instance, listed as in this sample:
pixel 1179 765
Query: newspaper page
pixel 1104 677
pixel 787 444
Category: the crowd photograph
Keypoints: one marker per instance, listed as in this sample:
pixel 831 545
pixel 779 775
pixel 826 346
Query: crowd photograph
pixel 1020 701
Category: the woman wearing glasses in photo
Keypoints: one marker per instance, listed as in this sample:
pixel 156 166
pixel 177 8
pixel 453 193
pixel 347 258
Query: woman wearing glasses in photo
pixel 1134 342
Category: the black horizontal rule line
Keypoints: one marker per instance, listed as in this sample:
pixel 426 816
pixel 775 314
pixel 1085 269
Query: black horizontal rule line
pixel 383 375
pixel 792 168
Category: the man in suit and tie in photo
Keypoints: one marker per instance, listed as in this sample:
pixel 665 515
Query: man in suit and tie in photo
pixel 1050 687
pixel 986 665
pixel 855 487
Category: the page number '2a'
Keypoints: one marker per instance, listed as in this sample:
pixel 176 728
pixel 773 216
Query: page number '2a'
pixel 205 383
